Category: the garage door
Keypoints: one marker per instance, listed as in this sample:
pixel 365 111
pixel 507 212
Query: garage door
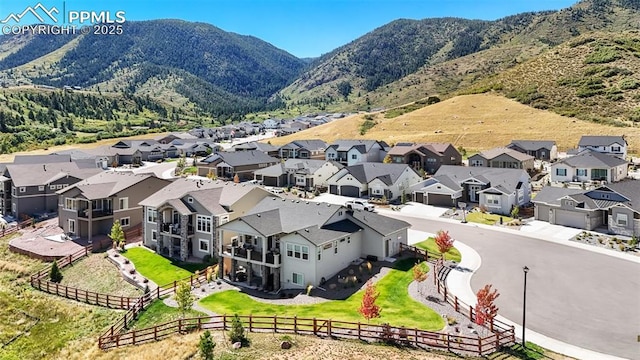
pixel 419 197
pixel 351 191
pixel 270 181
pixel 542 212
pixel 333 189
pixel 439 200
pixel 570 218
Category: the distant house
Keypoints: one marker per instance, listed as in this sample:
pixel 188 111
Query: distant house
pixel 82 158
pixel 303 149
pixel 301 173
pixel 374 180
pixel 117 156
pixel 41 159
pixel 182 219
pixel 227 164
pixel 615 206
pixel 257 146
pixel 30 189
pixel 614 145
pixel 428 156
pixel 503 158
pixel 90 207
pixel 540 149
pixel 351 152
pixel 496 188
pixel 166 139
pixel 589 165
pixel 266 249
pixel 271 124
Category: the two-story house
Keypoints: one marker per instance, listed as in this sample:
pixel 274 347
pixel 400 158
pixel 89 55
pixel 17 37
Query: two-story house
pixel 90 207
pixel 589 165
pixel 496 188
pixel 540 149
pixel 427 156
pixel 227 164
pixel 30 189
pixel 301 173
pixel 613 145
pixel 351 152
pixel 266 249
pixel 374 180
pixel 182 219
pixel 503 158
pixel 303 149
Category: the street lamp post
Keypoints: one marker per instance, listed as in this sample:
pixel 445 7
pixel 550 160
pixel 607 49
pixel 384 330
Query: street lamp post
pixel 524 304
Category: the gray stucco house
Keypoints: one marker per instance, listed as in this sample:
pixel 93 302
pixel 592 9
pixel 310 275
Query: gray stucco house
pixel 546 150
pixel 615 207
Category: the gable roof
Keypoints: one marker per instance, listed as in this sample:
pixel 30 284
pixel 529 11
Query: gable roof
pixel 254 145
pixel 311 145
pixel 532 145
pixel 36 174
pixel 628 189
pixel 366 172
pixel 383 225
pixel 404 148
pixel 590 159
pixel 509 179
pixel 495 152
pixel 240 158
pixel 363 146
pixel 106 184
pixel 41 159
pixel 329 232
pixel 601 140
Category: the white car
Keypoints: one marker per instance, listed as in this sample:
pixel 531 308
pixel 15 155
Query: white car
pixel 359 205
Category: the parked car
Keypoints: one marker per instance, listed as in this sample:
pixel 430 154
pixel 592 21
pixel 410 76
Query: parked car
pixel 359 205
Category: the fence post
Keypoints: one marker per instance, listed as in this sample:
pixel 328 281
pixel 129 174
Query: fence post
pixel 108 300
pixel 470 312
pixel 179 326
pixel 448 342
pixel 445 294
pixel 69 259
pixel 480 346
pixel 329 328
pixel 224 322
pixel 125 320
pixel 456 303
pixel 415 331
pixel 315 327
pixel 275 323
pixel 134 337
pixel 191 280
pixel 96 298
pixel 295 324
pixel 155 333
pixel 250 322
pixel 359 331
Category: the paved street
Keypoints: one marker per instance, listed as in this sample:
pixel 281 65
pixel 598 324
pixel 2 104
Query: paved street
pixel 576 296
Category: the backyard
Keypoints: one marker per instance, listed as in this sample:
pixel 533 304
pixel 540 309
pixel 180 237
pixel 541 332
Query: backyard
pixel 104 277
pixel 160 269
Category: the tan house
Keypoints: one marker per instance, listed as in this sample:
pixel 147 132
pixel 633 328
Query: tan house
pixel 427 156
pixel 182 219
pixel 227 164
pixel 90 207
pixel 503 158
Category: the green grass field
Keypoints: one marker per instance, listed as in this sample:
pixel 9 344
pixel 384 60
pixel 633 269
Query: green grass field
pixel 430 245
pixel 398 308
pixel 160 269
pixel 105 277
pixel 487 219
pixel 159 313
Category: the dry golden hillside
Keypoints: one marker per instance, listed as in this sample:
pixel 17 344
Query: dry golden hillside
pixel 474 122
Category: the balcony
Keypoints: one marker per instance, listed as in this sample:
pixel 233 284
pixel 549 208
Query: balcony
pixel 175 229
pixel 243 251
pixel 95 213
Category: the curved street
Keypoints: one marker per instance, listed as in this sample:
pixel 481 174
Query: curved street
pixel 580 297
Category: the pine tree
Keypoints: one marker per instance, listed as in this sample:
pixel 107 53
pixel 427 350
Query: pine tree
pixel 237 331
pixel 206 346
pixel 55 274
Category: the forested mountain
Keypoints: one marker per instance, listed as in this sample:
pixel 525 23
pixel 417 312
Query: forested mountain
pixel 240 71
pixel 407 60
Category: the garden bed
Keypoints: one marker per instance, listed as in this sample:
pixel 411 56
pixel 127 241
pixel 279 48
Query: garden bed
pixel 611 242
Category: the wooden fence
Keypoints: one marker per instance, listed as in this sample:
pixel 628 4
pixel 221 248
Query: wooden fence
pixel 21 225
pixel 305 326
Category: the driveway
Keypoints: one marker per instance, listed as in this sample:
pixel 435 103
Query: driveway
pixel 577 296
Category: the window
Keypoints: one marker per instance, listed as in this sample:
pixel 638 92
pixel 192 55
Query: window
pixel 335 247
pixel 615 148
pixel 581 172
pixel 354 157
pixel 23 189
pixel 203 223
pixel 204 245
pixel 298 251
pixel 622 220
pixel 41 188
pixel 52 187
pixel 561 172
pixel 72 226
pixel 190 200
pixel 493 200
pixel 154 235
pixel 432 160
pixel 124 221
pixel 58 187
pixel 319 254
pixel 124 203
pixel 152 215
pixel 476 163
pixel 70 204
pixel 298 279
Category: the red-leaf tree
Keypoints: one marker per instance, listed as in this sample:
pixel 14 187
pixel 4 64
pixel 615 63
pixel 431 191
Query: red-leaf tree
pixel 369 309
pixel 444 241
pixel 419 275
pixel 486 310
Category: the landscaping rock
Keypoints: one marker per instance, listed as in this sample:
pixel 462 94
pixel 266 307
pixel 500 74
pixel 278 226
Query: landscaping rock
pixel 236 345
pixel 285 345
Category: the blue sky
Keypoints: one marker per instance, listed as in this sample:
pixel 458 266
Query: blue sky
pixel 305 28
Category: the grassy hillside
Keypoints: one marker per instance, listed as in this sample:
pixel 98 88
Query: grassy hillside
pixel 474 122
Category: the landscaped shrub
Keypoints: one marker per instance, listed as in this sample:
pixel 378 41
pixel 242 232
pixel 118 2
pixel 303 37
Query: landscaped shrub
pixel 55 274
pixel 237 332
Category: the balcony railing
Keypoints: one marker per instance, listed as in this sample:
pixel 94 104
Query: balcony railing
pixel 95 213
pixel 175 229
pixel 243 251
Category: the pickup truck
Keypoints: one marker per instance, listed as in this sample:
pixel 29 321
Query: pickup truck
pixel 359 205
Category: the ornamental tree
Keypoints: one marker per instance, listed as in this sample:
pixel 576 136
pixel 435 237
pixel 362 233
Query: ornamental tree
pixel 369 309
pixel 419 275
pixel 486 310
pixel 184 297
pixel 117 235
pixel 443 241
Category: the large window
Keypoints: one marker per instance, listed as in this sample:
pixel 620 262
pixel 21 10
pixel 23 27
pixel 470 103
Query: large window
pixel 298 279
pixel 124 203
pixel 622 219
pixel 599 174
pixel 615 148
pixel 125 221
pixel 204 245
pixel 72 226
pixel 298 251
pixel 152 215
pixel 70 204
pixel 581 172
pixel 561 172
pixel 203 223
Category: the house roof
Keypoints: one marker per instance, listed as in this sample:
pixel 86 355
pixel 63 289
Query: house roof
pixel 629 189
pixel 453 176
pixel 366 172
pixel 533 145
pixel 363 146
pixel 383 225
pixel 495 152
pixel 240 158
pixel 334 231
pixel 591 159
pixel 551 194
pixel 311 145
pixel 41 159
pixel 404 148
pixel 106 184
pixel 254 145
pixel 36 174
pixel 601 140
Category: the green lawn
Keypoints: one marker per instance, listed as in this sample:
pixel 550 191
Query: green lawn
pixel 105 277
pixel 398 308
pixel 160 269
pixel 430 245
pixel 191 170
pixel 487 219
pixel 158 313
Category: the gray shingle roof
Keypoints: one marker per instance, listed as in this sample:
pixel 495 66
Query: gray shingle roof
pixel 311 145
pixel 106 184
pixel 334 231
pixel 591 159
pixel 34 174
pixel 600 140
pixel 366 172
pixel 362 145
pixel 495 152
pixel 552 194
pixel 507 178
pixel 241 158
pixel 533 145
pixel 41 159
pixel 383 225
pixel 629 189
